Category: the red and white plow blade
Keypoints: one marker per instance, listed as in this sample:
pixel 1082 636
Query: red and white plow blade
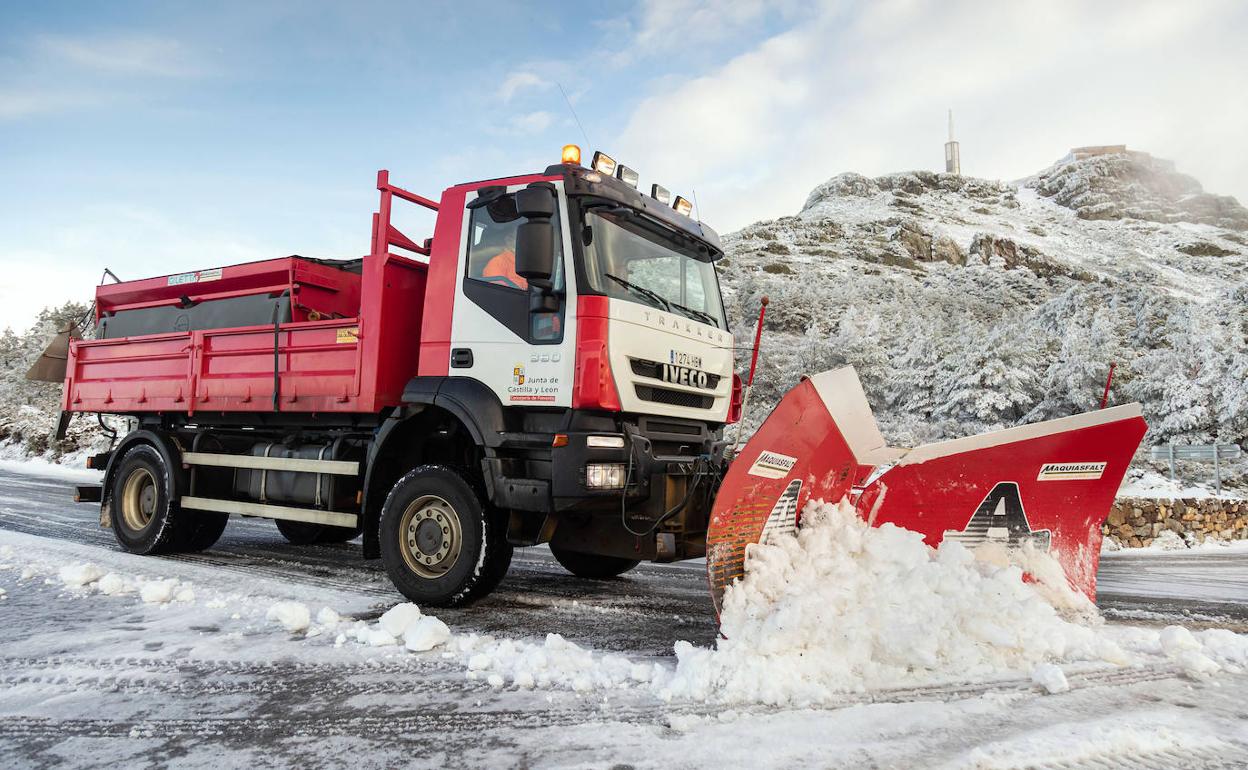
pixel 1051 483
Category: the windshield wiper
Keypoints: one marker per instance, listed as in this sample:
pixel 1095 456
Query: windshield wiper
pixel 697 315
pixel 653 296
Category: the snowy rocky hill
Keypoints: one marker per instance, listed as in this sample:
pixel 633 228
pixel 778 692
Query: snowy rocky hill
pixel 968 304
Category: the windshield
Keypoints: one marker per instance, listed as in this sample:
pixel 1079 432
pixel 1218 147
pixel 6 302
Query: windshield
pixel 627 262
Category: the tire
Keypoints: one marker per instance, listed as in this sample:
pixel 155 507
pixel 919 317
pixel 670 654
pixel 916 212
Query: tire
pixel 144 519
pixel 439 546
pixel 307 533
pixel 586 565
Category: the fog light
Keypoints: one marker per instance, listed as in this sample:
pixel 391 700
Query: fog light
pixel 604 476
pixel 603 163
pixel 605 442
pixel 627 175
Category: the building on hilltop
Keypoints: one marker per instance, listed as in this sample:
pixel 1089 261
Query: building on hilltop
pixel 1096 150
pixel 953 157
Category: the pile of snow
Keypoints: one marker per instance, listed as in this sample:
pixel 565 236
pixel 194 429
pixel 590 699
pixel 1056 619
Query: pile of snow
pixel 79 575
pixel 89 576
pixel 165 591
pixel 293 616
pixel 843 607
pixel 401 624
pixel 554 663
pixel 1147 483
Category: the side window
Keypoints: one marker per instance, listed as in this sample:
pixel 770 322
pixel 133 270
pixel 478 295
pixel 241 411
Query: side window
pixel 492 244
pixel 491 278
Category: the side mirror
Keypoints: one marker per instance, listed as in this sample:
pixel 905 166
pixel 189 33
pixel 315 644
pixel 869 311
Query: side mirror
pixel 537 201
pixel 535 250
pixel 535 239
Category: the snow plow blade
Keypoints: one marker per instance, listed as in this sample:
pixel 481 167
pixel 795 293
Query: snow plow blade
pixel 1051 482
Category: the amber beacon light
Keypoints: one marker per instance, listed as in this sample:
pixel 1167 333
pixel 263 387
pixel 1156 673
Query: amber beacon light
pixel 571 154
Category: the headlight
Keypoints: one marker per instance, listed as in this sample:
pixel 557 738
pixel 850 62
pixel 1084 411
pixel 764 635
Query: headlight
pixel 604 476
pixel 605 442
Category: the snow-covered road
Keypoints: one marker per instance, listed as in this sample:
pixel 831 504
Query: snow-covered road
pixel 89 679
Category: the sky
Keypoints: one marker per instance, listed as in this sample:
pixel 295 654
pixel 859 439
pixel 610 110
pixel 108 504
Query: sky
pixel 160 137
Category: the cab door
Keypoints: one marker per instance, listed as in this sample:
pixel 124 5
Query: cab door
pixel 504 332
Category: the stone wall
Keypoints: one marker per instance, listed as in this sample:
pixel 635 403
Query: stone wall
pixel 1135 521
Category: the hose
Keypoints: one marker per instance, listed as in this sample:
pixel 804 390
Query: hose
pixel 700 463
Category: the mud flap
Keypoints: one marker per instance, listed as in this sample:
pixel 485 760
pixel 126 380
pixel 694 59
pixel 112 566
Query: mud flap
pixel 1052 483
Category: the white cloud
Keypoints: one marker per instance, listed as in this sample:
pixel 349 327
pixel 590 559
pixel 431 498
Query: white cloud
pixel 521 124
pixel 35 280
pixel 669 24
pixel 519 81
pixel 866 88
pixel 124 55
pixel 59 73
pixel 23 102
pixel 135 241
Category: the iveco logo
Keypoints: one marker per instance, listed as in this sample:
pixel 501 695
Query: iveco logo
pixel 682 375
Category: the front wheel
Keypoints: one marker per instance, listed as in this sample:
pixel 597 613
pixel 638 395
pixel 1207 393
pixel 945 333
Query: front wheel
pixel 587 565
pixel 145 520
pixel 437 543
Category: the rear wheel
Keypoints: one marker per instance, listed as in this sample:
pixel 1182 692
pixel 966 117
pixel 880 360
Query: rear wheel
pixel 587 565
pixel 438 543
pixel 307 533
pixel 205 531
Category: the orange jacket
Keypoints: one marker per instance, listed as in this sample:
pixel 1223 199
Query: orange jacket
pixel 503 265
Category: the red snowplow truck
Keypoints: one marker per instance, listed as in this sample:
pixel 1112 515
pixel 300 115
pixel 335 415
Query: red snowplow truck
pixel 552 366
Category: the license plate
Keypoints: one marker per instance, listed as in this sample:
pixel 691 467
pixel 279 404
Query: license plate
pixel 685 359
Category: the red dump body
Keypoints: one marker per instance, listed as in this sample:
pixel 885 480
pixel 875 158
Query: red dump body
pixel 325 356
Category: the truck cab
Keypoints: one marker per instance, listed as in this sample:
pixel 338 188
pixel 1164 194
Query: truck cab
pixel 609 336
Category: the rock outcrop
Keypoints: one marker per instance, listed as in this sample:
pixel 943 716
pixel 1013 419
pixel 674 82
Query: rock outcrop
pixel 1135 185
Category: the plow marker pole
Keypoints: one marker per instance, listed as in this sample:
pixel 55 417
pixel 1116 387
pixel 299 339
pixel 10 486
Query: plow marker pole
pixel 749 382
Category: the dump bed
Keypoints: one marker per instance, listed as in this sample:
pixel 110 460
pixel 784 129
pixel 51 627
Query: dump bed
pixel 294 288
pixel 278 335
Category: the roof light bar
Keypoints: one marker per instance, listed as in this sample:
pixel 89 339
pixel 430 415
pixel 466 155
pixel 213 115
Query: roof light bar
pixel 627 175
pixel 682 206
pixel 603 163
pixel 571 154
pixel 660 194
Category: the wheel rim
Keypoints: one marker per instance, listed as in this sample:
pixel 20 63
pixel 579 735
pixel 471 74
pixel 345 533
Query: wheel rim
pixel 430 536
pixel 138 499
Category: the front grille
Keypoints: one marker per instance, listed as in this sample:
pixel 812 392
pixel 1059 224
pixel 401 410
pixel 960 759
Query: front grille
pixel 654 370
pixel 678 428
pixel 674 397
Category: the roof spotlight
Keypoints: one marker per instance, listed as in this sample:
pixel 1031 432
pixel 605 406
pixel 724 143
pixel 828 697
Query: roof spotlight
pixel 603 163
pixel 660 194
pixel 682 206
pixel 627 175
